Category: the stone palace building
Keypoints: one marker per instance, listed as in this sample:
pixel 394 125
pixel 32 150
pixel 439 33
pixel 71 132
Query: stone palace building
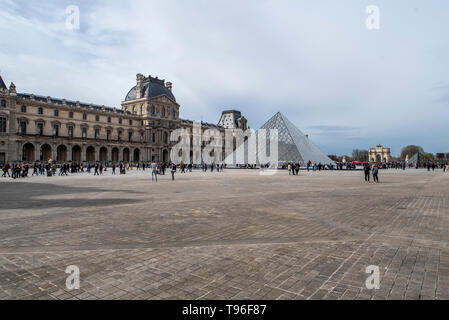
pixel 38 128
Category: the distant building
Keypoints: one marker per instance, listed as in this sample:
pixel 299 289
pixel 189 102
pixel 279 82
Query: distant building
pixel 232 119
pixel 40 128
pixel 442 156
pixel 379 154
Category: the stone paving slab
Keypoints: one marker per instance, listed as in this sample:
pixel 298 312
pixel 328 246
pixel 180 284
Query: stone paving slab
pixel 230 235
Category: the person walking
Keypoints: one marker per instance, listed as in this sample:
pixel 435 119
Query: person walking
pixel 367 171
pixel 173 170
pixel 375 174
pixel 6 171
pixel 153 171
pixel 35 169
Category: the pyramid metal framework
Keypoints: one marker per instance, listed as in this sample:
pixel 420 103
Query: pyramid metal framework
pixel 293 145
pixel 413 160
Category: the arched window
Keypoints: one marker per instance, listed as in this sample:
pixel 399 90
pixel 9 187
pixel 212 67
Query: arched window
pixel 23 109
pixel 153 110
pixel 142 109
pixel 165 138
pixel 134 110
pixel 163 111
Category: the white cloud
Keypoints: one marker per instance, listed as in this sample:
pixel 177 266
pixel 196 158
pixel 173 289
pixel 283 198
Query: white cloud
pixel 313 60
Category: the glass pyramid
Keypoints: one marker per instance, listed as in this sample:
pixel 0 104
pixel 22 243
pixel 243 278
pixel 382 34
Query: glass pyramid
pixel 293 145
pixel 413 160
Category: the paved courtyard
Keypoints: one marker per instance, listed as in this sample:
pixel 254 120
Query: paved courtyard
pixel 231 235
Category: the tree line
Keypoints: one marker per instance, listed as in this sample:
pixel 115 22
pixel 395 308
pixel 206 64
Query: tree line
pixel 406 153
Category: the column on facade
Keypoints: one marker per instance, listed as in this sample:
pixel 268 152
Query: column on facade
pixel 97 153
pixel 83 153
pixel 69 152
pixel 19 151
pixel 54 153
pixel 109 154
pixel 37 152
pixel 120 154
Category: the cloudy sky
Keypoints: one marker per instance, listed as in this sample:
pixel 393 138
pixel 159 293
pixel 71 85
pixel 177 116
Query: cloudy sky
pixel 315 61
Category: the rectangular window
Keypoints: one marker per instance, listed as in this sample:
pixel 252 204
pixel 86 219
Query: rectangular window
pixel 97 118
pixel 97 133
pixel 130 136
pixel 109 119
pixel 119 137
pixel 40 111
pixel 3 125
pixel 153 137
pixel 56 130
pixel 3 104
pixel 23 127
pixel 70 130
pixel 84 116
pixel 120 120
pixel 71 114
pixel 108 135
pixel 23 109
pixel 56 113
pixel 40 129
pixel 130 122
pixel 84 132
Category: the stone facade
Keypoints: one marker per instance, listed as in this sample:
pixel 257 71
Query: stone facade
pixel 379 154
pixel 38 128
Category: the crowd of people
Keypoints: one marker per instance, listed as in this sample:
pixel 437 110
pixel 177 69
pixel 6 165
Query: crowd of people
pixel 18 170
pixel 50 169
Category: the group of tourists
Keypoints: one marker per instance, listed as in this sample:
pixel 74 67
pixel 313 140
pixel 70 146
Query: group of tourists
pixel 371 169
pixel 212 167
pixel 293 168
pixel 50 169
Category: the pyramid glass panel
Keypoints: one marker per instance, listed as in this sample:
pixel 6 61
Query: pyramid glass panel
pixel 293 145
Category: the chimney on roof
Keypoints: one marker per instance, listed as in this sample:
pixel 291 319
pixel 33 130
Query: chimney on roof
pixel 169 86
pixel 12 89
pixel 139 86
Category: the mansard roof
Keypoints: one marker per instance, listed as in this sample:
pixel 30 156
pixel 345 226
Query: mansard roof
pixel 2 84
